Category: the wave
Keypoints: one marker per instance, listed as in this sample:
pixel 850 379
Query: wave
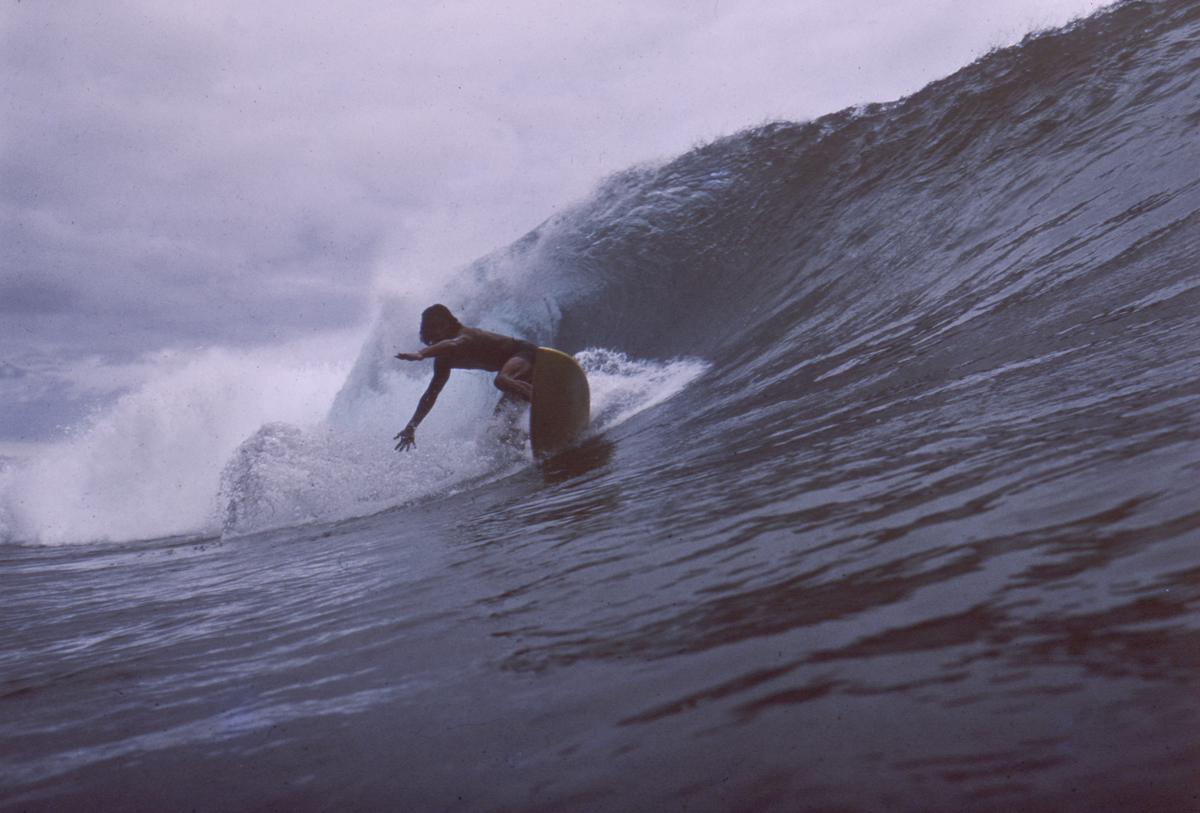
pixel 1039 202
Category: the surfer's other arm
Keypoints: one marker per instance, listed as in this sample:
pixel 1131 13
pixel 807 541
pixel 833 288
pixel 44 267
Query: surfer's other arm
pixel 433 351
pixel 408 435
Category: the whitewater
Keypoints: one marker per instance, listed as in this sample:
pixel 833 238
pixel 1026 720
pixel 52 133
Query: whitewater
pixel 889 500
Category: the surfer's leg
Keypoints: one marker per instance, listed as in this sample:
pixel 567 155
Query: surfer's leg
pixel 516 378
pixel 506 425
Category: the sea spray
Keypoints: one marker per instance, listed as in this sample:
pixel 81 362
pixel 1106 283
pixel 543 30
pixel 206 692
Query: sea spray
pixel 150 464
pixel 233 442
pixel 285 476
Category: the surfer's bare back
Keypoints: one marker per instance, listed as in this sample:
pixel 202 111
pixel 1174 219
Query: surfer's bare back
pixel 453 346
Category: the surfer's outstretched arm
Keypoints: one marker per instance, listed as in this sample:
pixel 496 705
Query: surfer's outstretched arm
pixel 408 435
pixel 433 351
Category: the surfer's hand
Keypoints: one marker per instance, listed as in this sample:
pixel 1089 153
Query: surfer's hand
pixel 407 438
pixel 408 357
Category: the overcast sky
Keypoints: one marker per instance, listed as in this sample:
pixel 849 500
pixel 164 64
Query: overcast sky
pixel 177 174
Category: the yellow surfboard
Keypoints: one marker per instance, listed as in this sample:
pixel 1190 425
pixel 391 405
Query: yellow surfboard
pixel 561 405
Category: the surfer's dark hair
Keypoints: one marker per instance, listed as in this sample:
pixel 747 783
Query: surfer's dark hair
pixel 436 316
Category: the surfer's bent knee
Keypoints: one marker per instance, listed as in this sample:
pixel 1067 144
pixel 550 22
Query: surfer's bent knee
pixel 516 377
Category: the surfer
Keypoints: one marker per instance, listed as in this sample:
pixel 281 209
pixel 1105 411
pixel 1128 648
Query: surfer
pixel 452 345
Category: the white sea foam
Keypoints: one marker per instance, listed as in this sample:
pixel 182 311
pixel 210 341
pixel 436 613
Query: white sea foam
pixel 150 464
pixel 622 387
pixel 347 467
pixel 237 442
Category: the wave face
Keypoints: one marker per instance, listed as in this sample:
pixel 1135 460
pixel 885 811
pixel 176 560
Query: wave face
pixel 890 505
pixel 989 222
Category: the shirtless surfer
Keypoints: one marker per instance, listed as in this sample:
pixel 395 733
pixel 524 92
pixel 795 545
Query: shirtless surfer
pixel 452 346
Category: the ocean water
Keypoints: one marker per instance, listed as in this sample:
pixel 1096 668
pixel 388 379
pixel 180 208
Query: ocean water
pixel 890 502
